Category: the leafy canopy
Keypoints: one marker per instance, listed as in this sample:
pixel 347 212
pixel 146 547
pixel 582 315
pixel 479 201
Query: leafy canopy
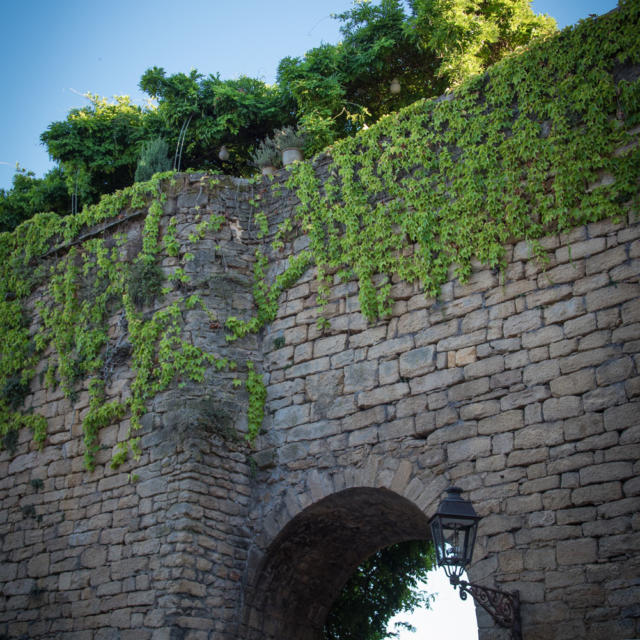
pixel 332 92
pixel 385 584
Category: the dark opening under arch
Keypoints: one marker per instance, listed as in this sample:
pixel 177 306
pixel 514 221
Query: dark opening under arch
pixel 308 563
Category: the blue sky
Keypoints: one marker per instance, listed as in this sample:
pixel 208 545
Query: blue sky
pixel 52 52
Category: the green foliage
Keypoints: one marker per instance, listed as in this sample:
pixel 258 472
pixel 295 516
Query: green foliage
pixel 332 92
pixel 144 282
pixel 257 396
pixel 384 585
pixel 153 159
pixel 339 88
pixel 234 113
pixel 98 145
pixel 265 296
pixel 468 37
pixel 89 282
pixel 458 178
pixel 100 415
pixel 29 194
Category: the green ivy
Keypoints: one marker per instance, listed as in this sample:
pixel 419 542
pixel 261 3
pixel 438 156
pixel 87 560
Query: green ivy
pixel 257 396
pixel 84 287
pixel 509 156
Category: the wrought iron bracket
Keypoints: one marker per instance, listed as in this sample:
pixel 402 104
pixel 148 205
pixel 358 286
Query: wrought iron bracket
pixel 503 606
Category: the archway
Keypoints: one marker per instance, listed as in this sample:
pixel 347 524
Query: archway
pixel 309 561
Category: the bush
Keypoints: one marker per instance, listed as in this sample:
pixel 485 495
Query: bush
pixel 153 159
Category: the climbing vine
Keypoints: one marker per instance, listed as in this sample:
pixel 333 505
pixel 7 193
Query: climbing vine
pixel 513 154
pixel 82 289
pixel 521 151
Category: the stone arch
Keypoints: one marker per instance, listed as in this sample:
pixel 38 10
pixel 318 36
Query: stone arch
pixel 311 558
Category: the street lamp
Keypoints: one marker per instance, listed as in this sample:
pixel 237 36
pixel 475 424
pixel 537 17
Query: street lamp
pixel 453 529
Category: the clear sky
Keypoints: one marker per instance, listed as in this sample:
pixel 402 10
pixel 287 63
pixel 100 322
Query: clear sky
pixel 53 51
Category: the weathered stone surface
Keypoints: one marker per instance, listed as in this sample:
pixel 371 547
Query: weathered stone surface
pixel 417 362
pixel 523 392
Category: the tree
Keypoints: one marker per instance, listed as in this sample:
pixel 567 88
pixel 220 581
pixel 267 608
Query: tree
pixel 468 36
pixel 338 88
pixel 98 146
pixel 153 159
pixel 382 586
pixel 29 195
pixel 209 113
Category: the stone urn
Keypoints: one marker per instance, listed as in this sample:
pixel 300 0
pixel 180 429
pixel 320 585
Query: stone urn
pixel 292 154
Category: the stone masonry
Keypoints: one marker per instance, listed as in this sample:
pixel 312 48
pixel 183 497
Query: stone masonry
pixel 522 387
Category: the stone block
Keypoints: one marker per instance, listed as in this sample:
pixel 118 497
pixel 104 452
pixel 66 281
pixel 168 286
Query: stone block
pixel 413 321
pixel 568 272
pixel 574 383
pixel 417 362
pixel 590 358
pixel 614 371
pixel 436 380
pixel 424 424
pixel 329 345
pixel 468 449
pixel 540 559
pixel 382 395
pixel 306 368
pixel 559 408
pixel 361 376
pixel 313 430
pixel 291 416
pixel 582 551
pixel 604 397
pixel 583 426
pixel 390 347
pixel 484 367
pixel 505 421
pixel 366 338
pixel 479 410
pixel 457 342
pixel 388 372
pixel 541 337
pixel 598 494
pixel 565 310
pixel 540 372
pixel 376 415
pixel 622 417
pixel 435 333
pixel 518 324
pixel 606 472
pixel 509 291
pixel 580 250
pixel 605 260
pixel 611 296
pixel 468 389
pixel 526 457
pixel 522 398
pixel 535 435
pixel 397 429
pixel 462 357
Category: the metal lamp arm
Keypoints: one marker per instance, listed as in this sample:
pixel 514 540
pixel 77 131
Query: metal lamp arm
pixel 502 606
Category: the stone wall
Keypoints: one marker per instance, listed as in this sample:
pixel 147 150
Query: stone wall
pixel 522 388
pixel 151 549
